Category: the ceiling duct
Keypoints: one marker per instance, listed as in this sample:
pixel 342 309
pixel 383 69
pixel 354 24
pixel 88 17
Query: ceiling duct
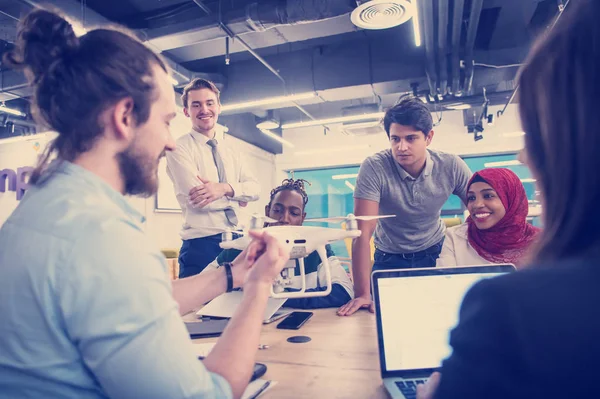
pixel 381 14
pixel 264 15
pixel 362 128
pixel 475 13
pixel 258 16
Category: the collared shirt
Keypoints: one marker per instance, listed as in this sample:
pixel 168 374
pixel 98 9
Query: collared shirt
pixel 86 303
pixel 457 251
pixel 192 158
pixel 416 202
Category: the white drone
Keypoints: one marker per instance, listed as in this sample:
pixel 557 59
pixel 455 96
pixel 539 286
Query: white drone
pixel 301 241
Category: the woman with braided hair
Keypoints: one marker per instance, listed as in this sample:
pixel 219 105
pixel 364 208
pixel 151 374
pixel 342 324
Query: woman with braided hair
pixel 287 205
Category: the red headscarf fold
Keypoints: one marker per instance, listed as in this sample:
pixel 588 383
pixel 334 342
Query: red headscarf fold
pixel 508 240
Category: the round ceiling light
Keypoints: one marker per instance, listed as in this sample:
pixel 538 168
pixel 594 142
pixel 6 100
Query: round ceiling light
pixel 268 124
pixel 382 14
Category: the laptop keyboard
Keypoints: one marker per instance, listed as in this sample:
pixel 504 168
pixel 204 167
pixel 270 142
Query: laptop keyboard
pixel 409 387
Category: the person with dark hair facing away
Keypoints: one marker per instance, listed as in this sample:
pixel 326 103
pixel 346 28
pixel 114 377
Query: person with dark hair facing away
pixel 210 178
pixel 496 230
pixel 87 307
pixel 534 333
pixel 287 205
pixel 411 182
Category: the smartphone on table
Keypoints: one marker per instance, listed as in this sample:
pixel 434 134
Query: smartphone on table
pixel 295 320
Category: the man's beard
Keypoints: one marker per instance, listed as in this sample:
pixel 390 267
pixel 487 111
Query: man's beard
pixel 138 172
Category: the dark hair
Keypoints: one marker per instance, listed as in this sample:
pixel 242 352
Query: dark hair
pixel 477 179
pixel 409 111
pixel 294 185
pixel 75 79
pixel 197 84
pixel 559 91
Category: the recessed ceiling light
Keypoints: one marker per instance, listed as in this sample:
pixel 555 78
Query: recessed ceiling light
pixel 501 164
pixel 339 119
pixel 268 101
pixel 347 176
pixel 268 124
pixel 12 111
pixel 458 106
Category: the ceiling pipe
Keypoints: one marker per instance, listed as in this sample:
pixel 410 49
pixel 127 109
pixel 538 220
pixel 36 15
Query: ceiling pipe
pixel 561 8
pixel 73 9
pixel 457 17
pixel 263 61
pixel 442 56
pixel 258 16
pixel 427 22
pixel 476 6
pixel 264 15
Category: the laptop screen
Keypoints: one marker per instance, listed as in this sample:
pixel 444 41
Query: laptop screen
pixel 417 312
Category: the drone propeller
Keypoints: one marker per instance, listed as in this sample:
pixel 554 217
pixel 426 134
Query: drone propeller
pixel 256 216
pixel 340 219
pixel 268 219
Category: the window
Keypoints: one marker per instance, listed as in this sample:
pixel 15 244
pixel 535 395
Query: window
pixel 331 191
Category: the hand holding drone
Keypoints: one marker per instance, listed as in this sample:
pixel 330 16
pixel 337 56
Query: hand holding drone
pixel 301 241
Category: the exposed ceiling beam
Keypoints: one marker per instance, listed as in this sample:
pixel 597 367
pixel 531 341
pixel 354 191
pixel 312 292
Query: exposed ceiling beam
pixel 338 72
pixel 13 85
pixel 73 10
pixel 262 24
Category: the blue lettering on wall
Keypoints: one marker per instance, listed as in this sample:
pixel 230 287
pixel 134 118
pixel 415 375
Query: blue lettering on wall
pixel 15 181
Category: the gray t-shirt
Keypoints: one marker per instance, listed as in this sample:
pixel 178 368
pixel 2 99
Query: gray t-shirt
pixel 417 203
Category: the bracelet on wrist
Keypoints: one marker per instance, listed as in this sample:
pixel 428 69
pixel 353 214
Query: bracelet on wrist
pixel 229 274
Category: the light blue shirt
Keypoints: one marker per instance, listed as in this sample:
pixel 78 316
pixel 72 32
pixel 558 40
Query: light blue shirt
pixel 86 309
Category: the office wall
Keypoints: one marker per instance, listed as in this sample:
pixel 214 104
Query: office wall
pixel 337 149
pixel 332 150
pixel 13 156
pixel 163 228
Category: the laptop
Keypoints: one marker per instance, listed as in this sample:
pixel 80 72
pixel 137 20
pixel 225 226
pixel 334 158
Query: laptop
pixel 415 311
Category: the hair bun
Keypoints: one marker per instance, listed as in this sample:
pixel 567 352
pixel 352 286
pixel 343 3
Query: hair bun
pixel 43 37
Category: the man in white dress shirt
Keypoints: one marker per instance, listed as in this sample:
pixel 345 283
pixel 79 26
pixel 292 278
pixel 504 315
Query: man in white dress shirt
pixel 209 178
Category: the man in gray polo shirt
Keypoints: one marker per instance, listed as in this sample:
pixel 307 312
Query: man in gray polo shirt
pixel 408 181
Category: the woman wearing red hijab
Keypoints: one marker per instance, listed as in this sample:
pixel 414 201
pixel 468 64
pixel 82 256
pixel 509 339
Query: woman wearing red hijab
pixel 496 230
